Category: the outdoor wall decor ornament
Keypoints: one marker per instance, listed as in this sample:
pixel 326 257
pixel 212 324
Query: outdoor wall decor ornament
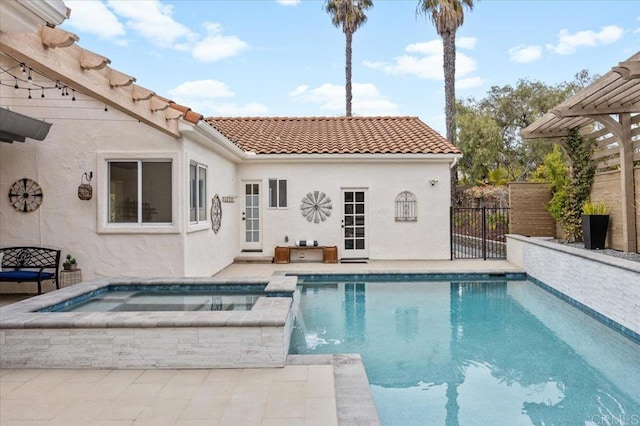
pixel 316 206
pixel 25 195
pixel 216 213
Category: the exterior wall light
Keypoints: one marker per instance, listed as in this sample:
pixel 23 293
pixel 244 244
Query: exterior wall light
pixel 85 191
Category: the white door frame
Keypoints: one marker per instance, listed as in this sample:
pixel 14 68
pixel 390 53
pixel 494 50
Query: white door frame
pixel 355 223
pixel 249 240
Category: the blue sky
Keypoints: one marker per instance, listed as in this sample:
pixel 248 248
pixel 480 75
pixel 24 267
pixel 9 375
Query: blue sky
pixel 285 58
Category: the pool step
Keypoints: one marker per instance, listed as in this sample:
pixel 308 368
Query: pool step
pixel 253 259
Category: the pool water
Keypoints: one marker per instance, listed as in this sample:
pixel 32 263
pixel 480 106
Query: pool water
pixel 474 352
pixel 141 301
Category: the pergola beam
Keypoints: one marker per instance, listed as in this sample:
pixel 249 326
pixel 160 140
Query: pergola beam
pixel 622 131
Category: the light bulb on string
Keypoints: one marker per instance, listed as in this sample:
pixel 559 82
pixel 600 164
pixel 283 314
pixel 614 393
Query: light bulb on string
pixel 29 78
pixel 42 95
pixel 30 94
pixel 73 98
pixel 16 87
pixel 22 67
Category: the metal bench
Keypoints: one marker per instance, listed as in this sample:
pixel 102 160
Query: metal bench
pixel 30 264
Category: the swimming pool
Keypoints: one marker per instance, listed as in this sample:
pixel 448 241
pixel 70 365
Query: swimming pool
pixel 472 351
pixel 166 298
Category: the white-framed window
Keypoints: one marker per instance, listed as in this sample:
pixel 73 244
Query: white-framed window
pixel 278 193
pixel 140 192
pixel 197 192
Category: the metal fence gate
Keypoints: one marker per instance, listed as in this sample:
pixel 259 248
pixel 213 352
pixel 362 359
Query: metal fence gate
pixel 479 233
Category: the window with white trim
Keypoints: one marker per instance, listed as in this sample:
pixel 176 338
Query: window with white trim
pixel 198 193
pixel 140 192
pixel 277 193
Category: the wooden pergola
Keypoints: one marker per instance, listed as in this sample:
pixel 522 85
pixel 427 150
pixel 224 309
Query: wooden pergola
pixel 607 110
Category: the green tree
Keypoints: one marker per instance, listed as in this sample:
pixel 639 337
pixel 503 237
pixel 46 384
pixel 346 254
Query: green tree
pixel 348 15
pixel 480 140
pixel 513 108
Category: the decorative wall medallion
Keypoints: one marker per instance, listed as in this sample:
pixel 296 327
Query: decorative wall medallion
pixel 25 195
pixel 316 206
pixel 216 214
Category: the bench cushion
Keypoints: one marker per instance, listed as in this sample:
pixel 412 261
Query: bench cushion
pixel 24 276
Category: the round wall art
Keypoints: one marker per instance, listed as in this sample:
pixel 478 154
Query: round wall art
pixel 25 195
pixel 316 206
pixel 216 214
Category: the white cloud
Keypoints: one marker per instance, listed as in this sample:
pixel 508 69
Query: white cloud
pixel 93 17
pixel 201 89
pixel 432 47
pixel 203 97
pixel 217 46
pixel 468 83
pixel 525 54
pixel 569 43
pixel 153 21
pixel 424 61
pixel 466 42
pixel 289 2
pixel 367 99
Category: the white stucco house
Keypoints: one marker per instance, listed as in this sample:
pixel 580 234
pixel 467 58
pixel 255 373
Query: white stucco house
pixel 175 194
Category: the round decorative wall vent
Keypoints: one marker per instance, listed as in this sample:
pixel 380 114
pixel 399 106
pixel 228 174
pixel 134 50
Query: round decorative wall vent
pixel 316 206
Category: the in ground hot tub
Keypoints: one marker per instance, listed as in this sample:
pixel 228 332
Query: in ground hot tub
pixel 38 333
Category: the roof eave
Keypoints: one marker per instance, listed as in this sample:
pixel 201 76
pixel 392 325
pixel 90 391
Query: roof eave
pixel 310 158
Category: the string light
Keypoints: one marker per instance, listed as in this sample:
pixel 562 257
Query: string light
pixel 21 83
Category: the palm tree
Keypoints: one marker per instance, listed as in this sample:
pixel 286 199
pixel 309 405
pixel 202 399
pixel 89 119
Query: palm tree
pixel 447 16
pixel 350 15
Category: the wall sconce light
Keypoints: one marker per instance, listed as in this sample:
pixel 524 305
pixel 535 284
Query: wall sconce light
pixel 433 182
pixel 85 191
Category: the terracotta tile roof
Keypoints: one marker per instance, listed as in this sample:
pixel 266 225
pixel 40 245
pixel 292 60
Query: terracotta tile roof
pixel 189 115
pixel 332 135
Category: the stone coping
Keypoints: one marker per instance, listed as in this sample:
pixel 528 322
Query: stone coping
pixel 354 401
pixel 592 255
pixel 267 311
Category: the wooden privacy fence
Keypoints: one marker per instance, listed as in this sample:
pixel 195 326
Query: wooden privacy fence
pixel 528 210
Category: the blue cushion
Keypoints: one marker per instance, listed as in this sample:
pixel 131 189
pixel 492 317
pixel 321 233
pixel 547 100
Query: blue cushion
pixel 24 275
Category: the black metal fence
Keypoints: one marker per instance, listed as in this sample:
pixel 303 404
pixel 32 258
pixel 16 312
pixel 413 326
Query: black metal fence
pixel 479 233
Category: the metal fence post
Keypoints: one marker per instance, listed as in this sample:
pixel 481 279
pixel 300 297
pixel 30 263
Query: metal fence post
pixel 484 233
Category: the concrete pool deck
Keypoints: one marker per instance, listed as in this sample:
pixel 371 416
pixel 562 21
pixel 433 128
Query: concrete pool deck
pixel 309 390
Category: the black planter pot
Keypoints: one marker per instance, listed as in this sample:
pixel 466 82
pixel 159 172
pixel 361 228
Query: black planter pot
pixel 594 230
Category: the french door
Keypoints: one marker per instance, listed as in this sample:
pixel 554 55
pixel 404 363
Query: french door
pixel 252 240
pixel 354 224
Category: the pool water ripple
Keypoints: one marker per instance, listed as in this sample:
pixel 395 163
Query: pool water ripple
pixel 474 352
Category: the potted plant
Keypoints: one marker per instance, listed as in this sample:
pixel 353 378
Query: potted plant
pixel 595 222
pixel 69 263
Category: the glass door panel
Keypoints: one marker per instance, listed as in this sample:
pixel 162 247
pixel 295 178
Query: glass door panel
pixel 354 223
